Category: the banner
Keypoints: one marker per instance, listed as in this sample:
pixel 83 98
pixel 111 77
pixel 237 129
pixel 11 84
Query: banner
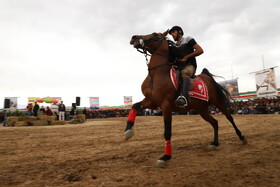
pixel 231 86
pixel 127 101
pixel 94 103
pixel 13 102
pixel 266 83
pixel 33 99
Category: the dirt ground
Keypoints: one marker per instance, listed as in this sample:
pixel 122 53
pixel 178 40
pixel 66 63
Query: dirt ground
pixel 95 154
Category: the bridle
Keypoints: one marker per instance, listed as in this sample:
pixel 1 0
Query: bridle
pixel 146 49
pixel 153 51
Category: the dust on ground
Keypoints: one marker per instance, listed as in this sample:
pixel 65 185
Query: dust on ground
pixel 95 154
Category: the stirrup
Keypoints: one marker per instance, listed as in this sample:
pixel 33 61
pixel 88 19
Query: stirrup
pixel 181 101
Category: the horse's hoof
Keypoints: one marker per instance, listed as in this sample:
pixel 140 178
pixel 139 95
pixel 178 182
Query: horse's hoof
pixel 212 147
pixel 244 141
pixel 128 134
pixel 161 164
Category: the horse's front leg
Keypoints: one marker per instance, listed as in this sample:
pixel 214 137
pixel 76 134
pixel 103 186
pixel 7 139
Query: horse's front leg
pixel 129 132
pixel 137 107
pixel 162 162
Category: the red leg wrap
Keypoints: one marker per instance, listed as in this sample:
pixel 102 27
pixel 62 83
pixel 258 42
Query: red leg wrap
pixel 168 149
pixel 132 115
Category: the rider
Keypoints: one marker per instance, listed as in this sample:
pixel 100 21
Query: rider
pixel 187 64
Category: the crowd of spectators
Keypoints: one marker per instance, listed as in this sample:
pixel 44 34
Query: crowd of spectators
pixel 255 106
pixel 111 113
pixel 118 113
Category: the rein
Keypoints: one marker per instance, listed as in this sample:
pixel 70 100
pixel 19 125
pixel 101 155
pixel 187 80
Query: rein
pixel 155 67
pixel 147 49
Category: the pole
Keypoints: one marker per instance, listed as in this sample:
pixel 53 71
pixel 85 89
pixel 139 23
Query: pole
pixel 263 62
pixel 231 72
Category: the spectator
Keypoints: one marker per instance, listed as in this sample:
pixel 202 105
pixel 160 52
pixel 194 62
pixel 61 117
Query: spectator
pixel 4 116
pixel 85 111
pixel 251 109
pixel 49 111
pixel 29 109
pixel 35 109
pixel 72 112
pixel 61 110
pixel 42 109
pixel 56 115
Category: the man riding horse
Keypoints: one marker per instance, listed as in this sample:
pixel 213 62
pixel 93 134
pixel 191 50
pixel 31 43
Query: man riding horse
pixel 159 91
pixel 185 49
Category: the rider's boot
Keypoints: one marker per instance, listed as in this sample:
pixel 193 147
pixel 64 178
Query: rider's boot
pixel 182 100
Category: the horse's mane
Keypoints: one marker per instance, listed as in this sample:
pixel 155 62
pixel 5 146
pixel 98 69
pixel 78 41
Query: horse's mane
pixel 222 92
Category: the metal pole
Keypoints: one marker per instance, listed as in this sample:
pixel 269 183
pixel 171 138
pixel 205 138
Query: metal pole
pixel 263 62
pixel 231 72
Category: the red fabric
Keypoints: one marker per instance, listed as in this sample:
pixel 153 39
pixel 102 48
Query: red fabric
pixel 49 112
pixel 199 90
pixel 29 107
pixel 132 115
pixel 168 149
pixel 174 78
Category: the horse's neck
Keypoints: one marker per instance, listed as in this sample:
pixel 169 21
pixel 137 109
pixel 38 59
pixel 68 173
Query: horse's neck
pixel 160 56
pixel 164 49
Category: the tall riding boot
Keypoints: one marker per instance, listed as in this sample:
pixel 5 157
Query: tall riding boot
pixel 182 100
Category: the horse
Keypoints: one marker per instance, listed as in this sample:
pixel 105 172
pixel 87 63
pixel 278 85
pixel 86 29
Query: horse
pixel 159 91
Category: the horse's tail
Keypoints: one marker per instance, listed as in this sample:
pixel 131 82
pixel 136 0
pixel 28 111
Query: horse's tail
pixel 222 92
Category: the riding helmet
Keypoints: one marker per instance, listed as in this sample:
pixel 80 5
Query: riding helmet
pixel 176 28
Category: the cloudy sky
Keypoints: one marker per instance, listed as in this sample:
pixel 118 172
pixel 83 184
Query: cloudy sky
pixel 70 48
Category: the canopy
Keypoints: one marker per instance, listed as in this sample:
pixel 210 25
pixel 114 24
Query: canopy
pixel 47 100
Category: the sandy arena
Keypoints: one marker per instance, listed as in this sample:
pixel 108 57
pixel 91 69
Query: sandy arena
pixel 95 154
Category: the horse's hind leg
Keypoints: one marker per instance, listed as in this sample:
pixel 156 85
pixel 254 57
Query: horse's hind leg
pixel 137 107
pixel 203 111
pixel 230 118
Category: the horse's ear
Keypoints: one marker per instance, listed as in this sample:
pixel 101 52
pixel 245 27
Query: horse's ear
pixel 166 32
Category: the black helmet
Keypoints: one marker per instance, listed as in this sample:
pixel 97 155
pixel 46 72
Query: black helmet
pixel 176 28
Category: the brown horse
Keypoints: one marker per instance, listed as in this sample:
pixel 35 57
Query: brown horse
pixel 160 92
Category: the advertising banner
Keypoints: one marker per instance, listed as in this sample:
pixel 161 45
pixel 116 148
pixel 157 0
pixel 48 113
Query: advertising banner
pixel 33 99
pixel 94 103
pixel 13 102
pixel 127 101
pixel 231 86
pixel 266 83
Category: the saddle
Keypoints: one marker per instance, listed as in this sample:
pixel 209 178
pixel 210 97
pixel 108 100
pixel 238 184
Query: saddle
pixel 198 91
